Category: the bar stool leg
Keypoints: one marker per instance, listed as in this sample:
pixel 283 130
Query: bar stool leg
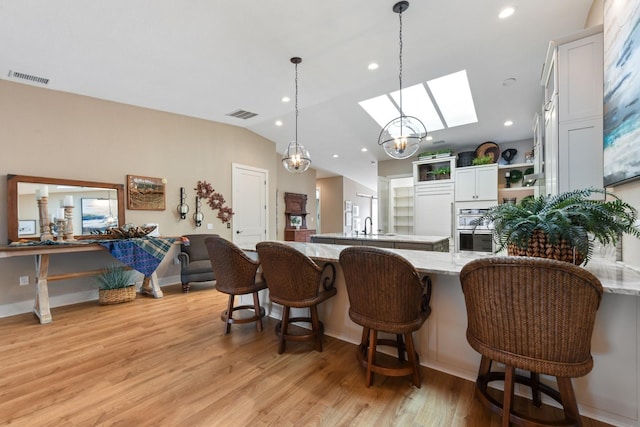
pixel 413 361
pixel 401 347
pixel 256 309
pixel 508 395
pixel 316 328
pixel 228 315
pixel 371 355
pixel 568 398
pixel 284 326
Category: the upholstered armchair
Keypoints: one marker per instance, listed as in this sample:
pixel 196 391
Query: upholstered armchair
pixel 195 265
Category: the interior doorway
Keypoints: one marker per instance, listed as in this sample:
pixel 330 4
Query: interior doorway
pixel 250 204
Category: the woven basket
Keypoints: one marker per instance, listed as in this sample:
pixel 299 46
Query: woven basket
pixel 541 248
pixel 117 296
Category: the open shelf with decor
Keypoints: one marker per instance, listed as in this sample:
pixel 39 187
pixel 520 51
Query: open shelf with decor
pixel 434 170
pixel 511 184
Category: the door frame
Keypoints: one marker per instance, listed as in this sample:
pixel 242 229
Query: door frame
pixel 238 166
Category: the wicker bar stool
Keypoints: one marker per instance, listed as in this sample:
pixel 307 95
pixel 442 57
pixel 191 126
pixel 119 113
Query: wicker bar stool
pixel 294 280
pixel 386 294
pixel 532 314
pixel 235 275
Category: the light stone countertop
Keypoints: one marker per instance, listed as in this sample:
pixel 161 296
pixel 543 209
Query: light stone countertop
pixel 389 237
pixel 616 277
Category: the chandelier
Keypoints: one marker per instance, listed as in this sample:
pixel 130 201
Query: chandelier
pixel 401 137
pixel 296 158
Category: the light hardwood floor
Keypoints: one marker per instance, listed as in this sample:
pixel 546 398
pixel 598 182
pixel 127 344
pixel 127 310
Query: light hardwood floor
pixel 165 362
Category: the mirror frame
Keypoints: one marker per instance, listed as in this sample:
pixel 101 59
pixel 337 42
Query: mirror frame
pixel 12 200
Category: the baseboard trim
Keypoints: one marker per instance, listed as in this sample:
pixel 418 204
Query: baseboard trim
pixel 21 307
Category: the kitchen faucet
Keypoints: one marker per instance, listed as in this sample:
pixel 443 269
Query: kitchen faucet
pixel 365 225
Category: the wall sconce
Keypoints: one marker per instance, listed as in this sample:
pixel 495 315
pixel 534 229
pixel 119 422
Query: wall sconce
pixel 198 216
pixel 183 207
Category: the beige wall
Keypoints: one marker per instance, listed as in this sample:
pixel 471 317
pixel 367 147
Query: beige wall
pixel 596 14
pixel 304 183
pixel 334 192
pixel 331 204
pixel 55 134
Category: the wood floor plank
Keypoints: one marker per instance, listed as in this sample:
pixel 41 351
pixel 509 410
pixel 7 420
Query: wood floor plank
pixel 166 362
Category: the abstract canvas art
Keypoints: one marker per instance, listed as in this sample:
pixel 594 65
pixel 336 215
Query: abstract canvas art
pixel 621 91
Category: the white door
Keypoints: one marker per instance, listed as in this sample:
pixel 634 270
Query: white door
pixel 249 188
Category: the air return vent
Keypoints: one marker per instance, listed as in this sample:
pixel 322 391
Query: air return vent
pixel 241 114
pixel 28 77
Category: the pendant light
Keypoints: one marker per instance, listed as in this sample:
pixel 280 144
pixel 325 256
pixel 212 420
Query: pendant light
pixel 401 137
pixel 296 158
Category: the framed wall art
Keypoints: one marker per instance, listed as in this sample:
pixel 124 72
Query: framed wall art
pixel 621 152
pixel 348 204
pixel 98 214
pixel 146 193
pixel 26 227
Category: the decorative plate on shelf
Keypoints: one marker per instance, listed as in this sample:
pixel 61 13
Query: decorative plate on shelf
pixel 488 149
pixel 515 176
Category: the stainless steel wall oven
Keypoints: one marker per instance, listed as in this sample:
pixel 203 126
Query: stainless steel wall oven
pixel 479 240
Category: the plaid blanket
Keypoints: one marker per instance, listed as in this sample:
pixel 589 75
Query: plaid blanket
pixel 143 254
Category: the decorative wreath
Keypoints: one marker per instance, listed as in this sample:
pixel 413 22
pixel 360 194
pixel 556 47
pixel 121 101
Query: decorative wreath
pixel 215 200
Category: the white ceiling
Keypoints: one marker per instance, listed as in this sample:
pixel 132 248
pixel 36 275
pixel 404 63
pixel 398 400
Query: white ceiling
pixel 207 58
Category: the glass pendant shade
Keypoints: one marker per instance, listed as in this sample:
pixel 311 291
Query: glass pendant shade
pixel 296 158
pixel 401 137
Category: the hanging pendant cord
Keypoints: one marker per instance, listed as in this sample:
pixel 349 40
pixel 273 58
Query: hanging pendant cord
pixel 400 56
pixel 296 108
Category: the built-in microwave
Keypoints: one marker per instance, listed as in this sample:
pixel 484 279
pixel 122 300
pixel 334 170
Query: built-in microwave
pixel 473 236
pixel 480 241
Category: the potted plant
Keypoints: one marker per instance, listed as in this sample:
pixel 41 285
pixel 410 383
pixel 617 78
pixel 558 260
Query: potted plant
pixel 116 285
pixel 442 172
pixel 564 226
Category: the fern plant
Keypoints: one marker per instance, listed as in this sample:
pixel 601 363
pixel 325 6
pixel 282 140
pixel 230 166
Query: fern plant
pixel 114 277
pixel 571 217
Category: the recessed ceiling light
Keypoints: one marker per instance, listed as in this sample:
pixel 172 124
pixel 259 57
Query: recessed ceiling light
pixel 506 12
pixel 373 66
pixel 508 123
pixel 278 122
pixel 364 149
pixel 429 138
pixel 286 99
pixel 335 156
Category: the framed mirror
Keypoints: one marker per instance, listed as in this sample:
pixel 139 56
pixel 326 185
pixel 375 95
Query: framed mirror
pixel 97 205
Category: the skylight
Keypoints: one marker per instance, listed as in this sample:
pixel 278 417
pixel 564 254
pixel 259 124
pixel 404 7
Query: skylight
pixel 452 98
pixel 416 103
pixel 381 109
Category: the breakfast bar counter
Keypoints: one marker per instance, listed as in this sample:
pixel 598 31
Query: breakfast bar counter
pixel 609 393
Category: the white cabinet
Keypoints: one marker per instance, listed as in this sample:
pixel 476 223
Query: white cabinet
pixel 580 154
pixel 434 170
pixel 477 183
pixel 433 210
pixel 573 81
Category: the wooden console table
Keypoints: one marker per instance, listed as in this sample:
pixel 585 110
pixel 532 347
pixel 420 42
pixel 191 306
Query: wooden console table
pixel 41 253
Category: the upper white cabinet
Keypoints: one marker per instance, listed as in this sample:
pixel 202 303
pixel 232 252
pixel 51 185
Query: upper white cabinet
pixel 477 183
pixel 573 82
pixel 434 171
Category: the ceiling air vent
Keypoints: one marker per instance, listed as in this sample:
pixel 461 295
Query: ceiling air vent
pixel 241 114
pixel 29 77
